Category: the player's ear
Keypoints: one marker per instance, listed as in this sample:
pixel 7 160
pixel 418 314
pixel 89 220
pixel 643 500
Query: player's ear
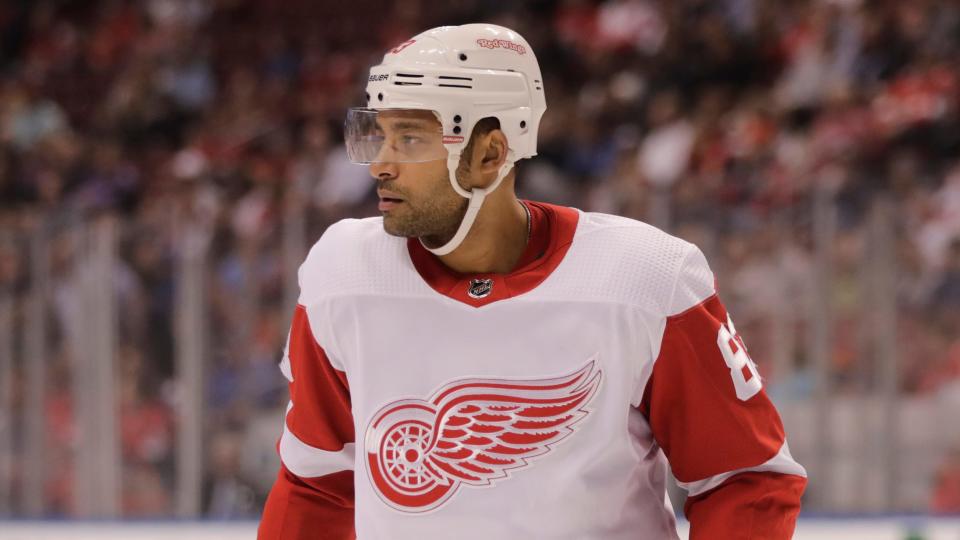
pixel 493 153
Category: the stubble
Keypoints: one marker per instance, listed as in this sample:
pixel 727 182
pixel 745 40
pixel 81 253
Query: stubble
pixel 433 216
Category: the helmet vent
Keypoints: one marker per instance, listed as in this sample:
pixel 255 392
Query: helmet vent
pixel 408 76
pixel 444 78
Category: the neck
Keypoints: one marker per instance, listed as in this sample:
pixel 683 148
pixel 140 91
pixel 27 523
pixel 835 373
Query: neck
pixel 497 239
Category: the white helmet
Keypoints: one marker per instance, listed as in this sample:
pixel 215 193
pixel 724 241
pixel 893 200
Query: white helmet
pixel 463 74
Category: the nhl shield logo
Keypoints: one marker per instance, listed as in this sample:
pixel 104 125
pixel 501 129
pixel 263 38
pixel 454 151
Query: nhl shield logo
pixel 480 288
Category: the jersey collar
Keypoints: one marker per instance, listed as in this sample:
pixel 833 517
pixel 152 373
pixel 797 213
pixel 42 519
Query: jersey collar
pixel 551 234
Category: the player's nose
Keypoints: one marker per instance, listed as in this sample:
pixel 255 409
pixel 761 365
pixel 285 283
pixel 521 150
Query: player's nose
pixel 384 171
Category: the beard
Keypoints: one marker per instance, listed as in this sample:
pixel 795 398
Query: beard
pixel 433 216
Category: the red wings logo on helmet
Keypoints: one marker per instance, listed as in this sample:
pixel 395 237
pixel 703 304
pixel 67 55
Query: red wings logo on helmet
pixel 402 46
pixel 471 432
pixel 502 43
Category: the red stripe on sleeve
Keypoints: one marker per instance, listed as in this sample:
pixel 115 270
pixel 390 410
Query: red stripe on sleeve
pixel 300 509
pixel 748 506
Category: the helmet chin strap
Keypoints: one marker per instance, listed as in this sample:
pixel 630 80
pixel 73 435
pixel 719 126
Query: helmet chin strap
pixel 476 197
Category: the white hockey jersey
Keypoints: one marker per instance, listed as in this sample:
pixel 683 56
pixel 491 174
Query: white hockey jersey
pixel 544 403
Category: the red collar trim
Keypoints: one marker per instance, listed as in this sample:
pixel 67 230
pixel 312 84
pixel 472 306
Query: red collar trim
pixel 551 234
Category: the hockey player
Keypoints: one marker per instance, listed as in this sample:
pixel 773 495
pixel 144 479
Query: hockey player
pixel 473 366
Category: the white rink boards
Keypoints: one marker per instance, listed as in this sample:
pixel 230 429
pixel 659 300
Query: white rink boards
pixel 808 529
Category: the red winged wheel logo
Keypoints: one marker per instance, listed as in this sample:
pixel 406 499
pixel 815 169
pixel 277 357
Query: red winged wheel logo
pixel 471 432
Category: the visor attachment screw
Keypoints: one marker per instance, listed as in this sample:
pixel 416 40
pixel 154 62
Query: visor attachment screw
pixel 456 129
pixel 463 57
pixel 380 96
pixel 456 119
pixel 523 124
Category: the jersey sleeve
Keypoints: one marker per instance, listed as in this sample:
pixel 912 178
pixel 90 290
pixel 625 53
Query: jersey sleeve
pixel 313 494
pixel 709 413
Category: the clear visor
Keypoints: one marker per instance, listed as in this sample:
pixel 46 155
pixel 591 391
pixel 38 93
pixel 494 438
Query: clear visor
pixel 393 136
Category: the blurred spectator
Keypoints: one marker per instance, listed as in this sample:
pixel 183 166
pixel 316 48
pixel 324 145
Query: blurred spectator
pixel 27 117
pixel 226 493
pixel 946 491
pixel 946 293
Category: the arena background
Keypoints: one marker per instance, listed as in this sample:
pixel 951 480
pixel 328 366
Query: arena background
pixel 166 164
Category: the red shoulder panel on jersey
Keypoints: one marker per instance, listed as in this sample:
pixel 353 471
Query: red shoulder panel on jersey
pixel 691 400
pixel 299 507
pixel 321 415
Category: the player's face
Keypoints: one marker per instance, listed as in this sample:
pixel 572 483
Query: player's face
pixel 416 198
